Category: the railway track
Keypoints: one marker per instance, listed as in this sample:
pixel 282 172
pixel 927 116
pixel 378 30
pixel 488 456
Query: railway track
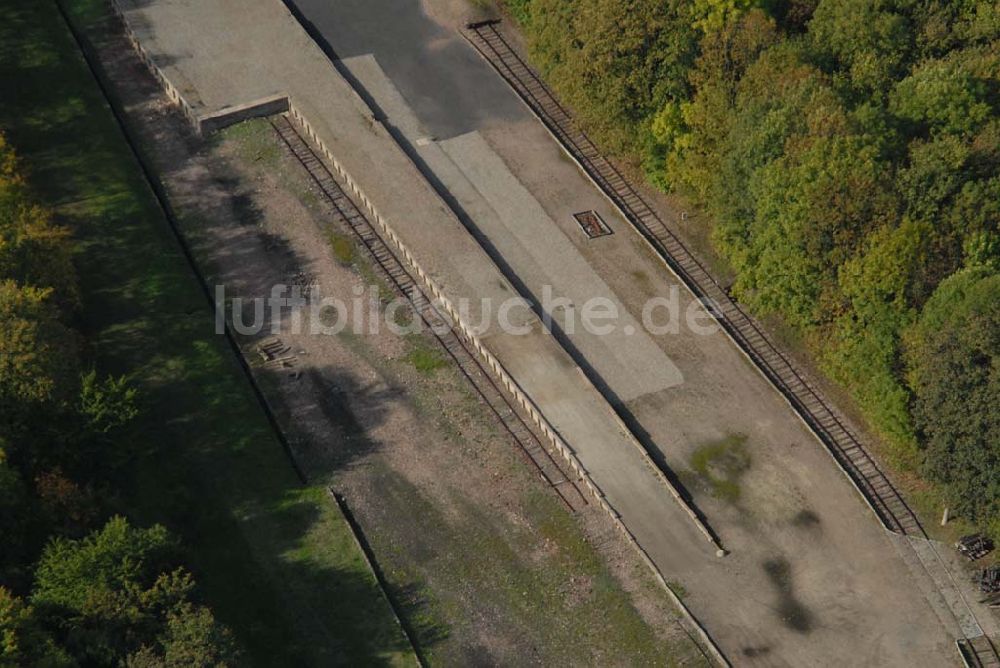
pixel 866 475
pixel 515 423
pixel 842 444
pixel 979 652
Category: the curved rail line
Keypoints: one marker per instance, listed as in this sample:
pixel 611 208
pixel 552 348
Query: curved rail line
pixel 516 425
pixel 843 445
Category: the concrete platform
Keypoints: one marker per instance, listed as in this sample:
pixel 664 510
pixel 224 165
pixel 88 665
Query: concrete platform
pixel 828 590
pixel 275 56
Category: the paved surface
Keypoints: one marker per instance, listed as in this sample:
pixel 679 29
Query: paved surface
pixel 812 579
pixel 410 47
pixel 813 567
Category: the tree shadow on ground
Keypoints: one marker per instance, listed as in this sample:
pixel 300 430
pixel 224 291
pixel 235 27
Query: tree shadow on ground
pixel 793 614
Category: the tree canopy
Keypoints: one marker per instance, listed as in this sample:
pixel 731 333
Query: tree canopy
pixel 73 593
pixel 953 355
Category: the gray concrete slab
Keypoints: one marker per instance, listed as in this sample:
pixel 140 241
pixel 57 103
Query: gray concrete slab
pixel 630 360
pixel 411 47
pixel 517 226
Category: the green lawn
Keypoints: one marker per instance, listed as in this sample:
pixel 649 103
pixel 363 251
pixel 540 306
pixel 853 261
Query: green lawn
pixel 273 558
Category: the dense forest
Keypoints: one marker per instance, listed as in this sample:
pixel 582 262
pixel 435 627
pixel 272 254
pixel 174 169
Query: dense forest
pixel 846 153
pixel 79 585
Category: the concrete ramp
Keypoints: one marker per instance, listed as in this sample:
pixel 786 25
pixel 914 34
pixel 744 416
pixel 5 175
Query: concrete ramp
pixel 540 254
pixel 531 249
pixel 386 97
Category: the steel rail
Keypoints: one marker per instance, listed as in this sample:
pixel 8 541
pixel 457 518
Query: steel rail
pixel 529 445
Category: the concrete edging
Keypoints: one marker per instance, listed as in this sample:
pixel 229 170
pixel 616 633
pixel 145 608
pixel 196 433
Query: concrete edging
pixel 171 91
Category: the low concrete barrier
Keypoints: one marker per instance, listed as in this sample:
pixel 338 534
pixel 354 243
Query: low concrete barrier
pixel 171 91
pixel 376 572
pixel 268 106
